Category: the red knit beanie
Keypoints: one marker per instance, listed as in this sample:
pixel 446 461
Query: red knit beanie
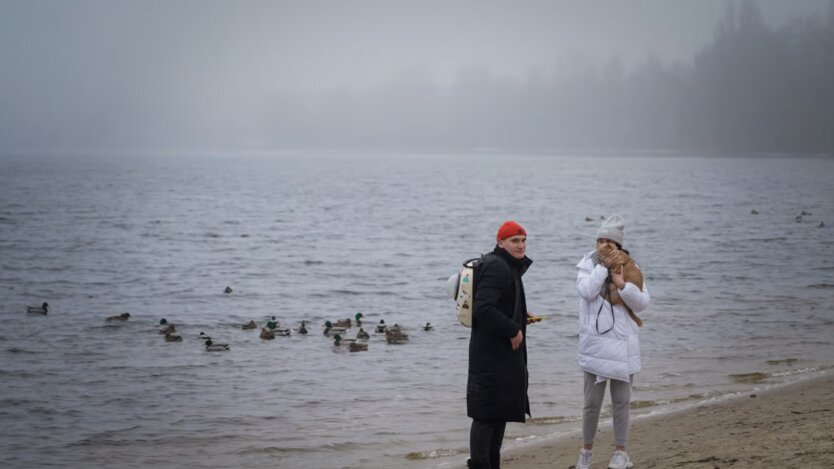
pixel 508 229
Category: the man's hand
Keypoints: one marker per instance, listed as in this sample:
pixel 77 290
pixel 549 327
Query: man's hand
pixel 516 341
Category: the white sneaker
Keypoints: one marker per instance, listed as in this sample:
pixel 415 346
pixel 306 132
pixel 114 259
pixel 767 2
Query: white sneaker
pixel 620 460
pixel 584 459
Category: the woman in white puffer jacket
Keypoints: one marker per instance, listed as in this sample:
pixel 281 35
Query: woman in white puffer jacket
pixel 609 346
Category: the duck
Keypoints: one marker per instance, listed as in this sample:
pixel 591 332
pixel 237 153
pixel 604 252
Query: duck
pixel 358 317
pixel 381 327
pixel 228 290
pixel 42 309
pixel 362 334
pixel 357 347
pixel 267 334
pixel 329 329
pixel 249 325
pixel 343 323
pixel 339 341
pixel 169 337
pixel 395 335
pixel 212 347
pixel 203 336
pixel 303 328
pixel 119 317
pixel 168 329
pixel 428 327
pixel 282 332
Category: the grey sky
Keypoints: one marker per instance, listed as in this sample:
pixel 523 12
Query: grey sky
pixel 101 60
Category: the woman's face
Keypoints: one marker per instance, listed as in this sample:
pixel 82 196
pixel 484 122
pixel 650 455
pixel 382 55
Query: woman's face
pixel 601 241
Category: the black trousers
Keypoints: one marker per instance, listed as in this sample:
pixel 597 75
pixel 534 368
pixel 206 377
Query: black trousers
pixel 485 444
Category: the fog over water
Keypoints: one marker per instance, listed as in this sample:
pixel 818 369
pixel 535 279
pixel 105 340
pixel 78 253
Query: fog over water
pixel 257 75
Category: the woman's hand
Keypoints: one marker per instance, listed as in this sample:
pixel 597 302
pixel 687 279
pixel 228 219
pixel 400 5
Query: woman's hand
pixel 618 278
pixel 612 259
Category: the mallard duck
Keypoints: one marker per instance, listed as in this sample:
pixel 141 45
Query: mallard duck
pixel 168 329
pixel 42 309
pixel 228 290
pixel 120 317
pixel 358 317
pixel 357 347
pixel 249 325
pixel 272 324
pixel 172 338
pixel 283 332
pixel 395 335
pixel 267 334
pixel 362 334
pixel 303 328
pixel 329 329
pixel 380 328
pixel 203 336
pixel 428 327
pixel 212 347
pixel 338 340
pixel 343 323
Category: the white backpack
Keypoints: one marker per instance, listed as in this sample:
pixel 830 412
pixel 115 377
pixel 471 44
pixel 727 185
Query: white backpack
pixel 461 288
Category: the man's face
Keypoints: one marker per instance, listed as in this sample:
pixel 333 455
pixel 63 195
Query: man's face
pixel 515 245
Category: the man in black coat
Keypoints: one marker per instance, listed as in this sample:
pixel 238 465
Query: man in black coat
pixel 496 391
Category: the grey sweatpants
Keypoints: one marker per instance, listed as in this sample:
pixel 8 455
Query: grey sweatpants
pixel 620 400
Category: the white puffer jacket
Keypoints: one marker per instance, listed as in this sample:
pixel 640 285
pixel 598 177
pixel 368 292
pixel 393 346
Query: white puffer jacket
pixel 616 353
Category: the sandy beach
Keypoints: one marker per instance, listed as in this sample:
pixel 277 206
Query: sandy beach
pixel 789 426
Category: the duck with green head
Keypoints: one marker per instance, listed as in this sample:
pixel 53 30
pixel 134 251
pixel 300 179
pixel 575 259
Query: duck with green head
pixel 330 329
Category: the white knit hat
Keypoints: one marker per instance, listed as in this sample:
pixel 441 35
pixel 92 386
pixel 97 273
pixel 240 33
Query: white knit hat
pixel 612 228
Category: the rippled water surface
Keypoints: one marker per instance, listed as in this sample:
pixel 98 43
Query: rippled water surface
pixel 742 299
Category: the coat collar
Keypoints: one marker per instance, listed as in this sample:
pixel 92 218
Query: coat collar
pixel 521 265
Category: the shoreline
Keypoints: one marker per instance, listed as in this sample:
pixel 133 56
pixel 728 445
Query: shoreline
pixel 791 425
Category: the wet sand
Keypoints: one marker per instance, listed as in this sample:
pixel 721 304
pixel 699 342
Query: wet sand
pixel 789 426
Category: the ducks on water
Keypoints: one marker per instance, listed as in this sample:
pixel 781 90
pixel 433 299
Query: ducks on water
pixel 303 328
pixel 249 325
pixel 171 337
pixel 357 347
pixel 228 290
pixel 267 334
pixel 428 327
pixel 380 328
pixel 42 309
pixel 395 335
pixel 212 347
pixel 330 329
pixel 339 341
pixel 362 334
pixel 119 317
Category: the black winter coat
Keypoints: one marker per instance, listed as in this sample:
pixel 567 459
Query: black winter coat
pixel 496 390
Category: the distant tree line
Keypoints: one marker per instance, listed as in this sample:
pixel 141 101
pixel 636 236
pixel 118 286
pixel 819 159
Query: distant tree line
pixel 752 89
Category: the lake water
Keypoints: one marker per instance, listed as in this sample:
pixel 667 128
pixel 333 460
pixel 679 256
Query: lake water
pixel 742 300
